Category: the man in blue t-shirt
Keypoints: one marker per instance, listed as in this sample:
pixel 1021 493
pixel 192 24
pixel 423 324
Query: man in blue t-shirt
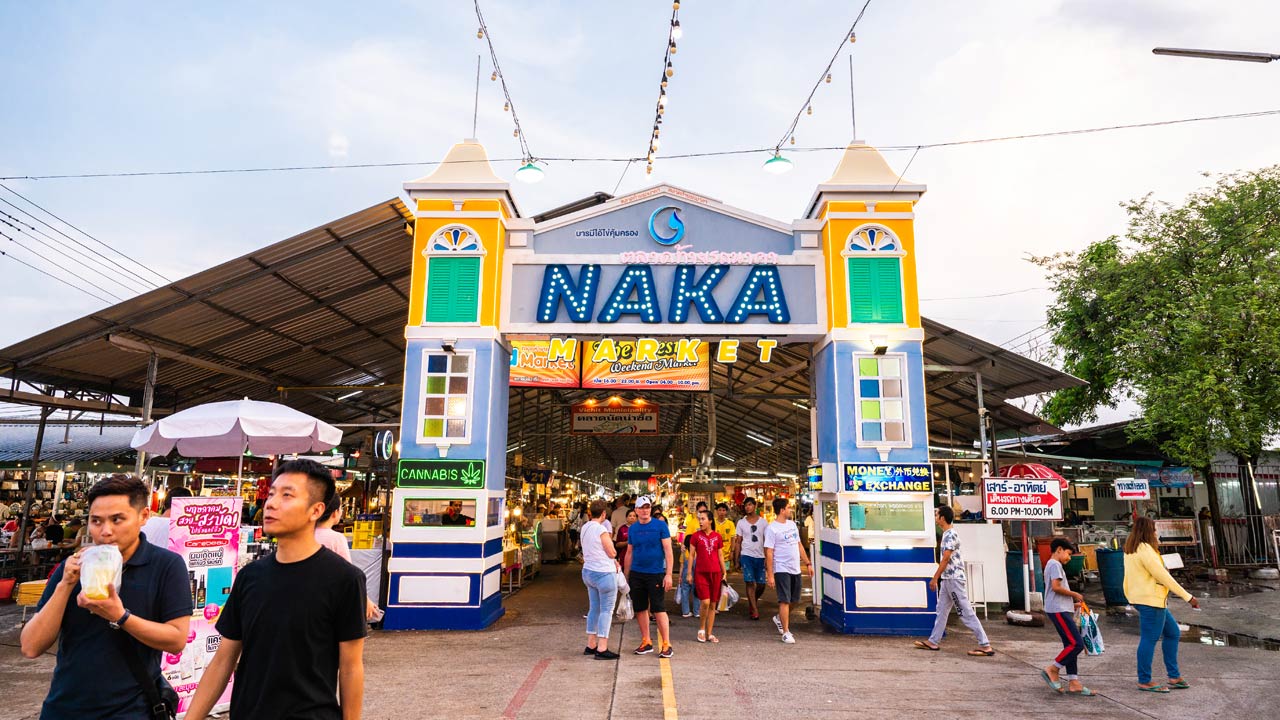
pixel 648 568
pixel 150 613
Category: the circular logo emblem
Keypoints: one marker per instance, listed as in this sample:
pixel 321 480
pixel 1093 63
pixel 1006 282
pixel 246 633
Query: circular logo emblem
pixel 383 443
pixel 673 222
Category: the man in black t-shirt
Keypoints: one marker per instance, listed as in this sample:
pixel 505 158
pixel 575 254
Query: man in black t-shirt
pixel 150 613
pixel 295 620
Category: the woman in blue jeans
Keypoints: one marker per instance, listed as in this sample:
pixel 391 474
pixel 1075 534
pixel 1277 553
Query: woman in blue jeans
pixel 600 574
pixel 1147 585
pixel 689 605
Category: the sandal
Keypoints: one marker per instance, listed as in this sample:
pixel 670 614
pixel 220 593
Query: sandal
pixel 702 636
pixel 1086 692
pixel 713 638
pixel 1057 686
pixel 1155 689
pixel 922 645
pixel 1180 685
pixel 979 652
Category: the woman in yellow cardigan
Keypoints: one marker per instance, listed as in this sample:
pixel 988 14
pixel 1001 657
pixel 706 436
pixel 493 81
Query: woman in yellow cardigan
pixel 1147 585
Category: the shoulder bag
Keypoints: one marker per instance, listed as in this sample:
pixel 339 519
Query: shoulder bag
pixel 162 700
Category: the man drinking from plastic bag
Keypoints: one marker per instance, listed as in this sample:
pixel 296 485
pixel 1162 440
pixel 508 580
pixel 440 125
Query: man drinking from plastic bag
pixel 116 605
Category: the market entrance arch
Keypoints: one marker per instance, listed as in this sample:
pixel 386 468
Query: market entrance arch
pixel 642 293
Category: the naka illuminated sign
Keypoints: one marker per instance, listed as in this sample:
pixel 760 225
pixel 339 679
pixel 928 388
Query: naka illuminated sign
pixel 635 294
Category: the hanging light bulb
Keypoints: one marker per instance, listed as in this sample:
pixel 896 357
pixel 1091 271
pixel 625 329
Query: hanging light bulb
pixel 649 169
pixel 494 76
pixel 828 78
pixel 654 144
pixel 506 106
pixel 662 98
pixel 677 32
pixel 809 110
pixel 675 5
pixel 853 37
pixel 515 133
pixel 671 71
pixel 662 109
pixel 664 81
pixel 672 48
pixel 655 131
pixel 479 33
pixel 777 165
pixel 530 173
pixel 793 139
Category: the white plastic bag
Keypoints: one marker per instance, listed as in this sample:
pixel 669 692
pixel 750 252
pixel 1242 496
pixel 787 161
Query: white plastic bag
pixel 623 586
pixel 100 566
pixel 625 610
pixel 731 593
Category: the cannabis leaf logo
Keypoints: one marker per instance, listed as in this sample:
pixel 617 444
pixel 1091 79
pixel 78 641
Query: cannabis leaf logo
pixel 473 475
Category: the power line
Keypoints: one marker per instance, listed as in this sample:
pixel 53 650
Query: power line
pixel 26 228
pixel 616 159
pixel 498 75
pixel 36 205
pixel 55 277
pixel 72 273
pixel 826 73
pixel 980 297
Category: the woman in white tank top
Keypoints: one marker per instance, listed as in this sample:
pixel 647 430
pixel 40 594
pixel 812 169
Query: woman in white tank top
pixel 600 574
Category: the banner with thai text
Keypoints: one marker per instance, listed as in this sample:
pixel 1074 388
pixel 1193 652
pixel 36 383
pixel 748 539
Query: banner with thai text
pixel 551 362
pixel 206 533
pixel 647 364
pixel 614 417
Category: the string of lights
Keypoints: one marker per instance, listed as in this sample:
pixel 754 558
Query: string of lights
pixel 680 156
pixel 529 170
pixel 674 33
pixel 778 164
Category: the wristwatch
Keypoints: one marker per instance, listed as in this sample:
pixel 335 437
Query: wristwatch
pixel 118 623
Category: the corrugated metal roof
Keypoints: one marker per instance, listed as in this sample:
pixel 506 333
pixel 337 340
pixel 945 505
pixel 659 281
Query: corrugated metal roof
pixel 79 443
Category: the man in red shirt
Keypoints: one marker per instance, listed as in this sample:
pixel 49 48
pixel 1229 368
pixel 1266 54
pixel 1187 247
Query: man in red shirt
pixel 709 572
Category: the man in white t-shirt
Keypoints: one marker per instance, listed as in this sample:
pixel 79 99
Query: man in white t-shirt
pixel 783 557
pixel 619 516
pixel 748 553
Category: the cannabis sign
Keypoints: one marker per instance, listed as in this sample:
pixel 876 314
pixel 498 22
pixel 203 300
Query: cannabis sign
pixel 440 474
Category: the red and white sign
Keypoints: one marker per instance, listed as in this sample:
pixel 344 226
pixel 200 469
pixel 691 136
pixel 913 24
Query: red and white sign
pixel 1022 498
pixel 1133 489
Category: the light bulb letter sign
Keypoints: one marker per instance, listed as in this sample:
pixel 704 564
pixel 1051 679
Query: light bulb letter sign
pixel 579 298
pixel 698 293
pixel 637 281
pixel 761 294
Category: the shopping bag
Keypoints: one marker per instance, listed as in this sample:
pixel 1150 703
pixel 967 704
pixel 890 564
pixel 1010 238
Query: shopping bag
pixel 680 593
pixel 724 604
pixel 625 610
pixel 623 586
pixel 728 591
pixel 1089 630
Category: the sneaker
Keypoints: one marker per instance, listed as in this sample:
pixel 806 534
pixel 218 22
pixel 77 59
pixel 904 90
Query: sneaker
pixel 644 649
pixel 788 638
pixel 667 651
pixel 777 622
pixel 607 655
pixel 589 651
pixel 687 615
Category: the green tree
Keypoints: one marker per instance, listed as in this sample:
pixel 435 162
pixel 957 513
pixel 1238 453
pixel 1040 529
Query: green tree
pixel 1181 316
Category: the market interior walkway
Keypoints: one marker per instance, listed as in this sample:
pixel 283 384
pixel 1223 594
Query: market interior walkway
pixel 529 665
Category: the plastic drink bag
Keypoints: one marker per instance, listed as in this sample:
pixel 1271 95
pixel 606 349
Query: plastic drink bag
pixel 100 566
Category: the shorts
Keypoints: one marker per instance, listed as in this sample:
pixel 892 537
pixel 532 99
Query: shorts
pixel 647 592
pixel 752 569
pixel 706 585
pixel 788 585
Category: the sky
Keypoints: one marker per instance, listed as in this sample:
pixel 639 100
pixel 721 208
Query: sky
pixel 115 86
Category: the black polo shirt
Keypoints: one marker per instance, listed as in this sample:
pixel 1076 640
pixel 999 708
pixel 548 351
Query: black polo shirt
pixel 91 678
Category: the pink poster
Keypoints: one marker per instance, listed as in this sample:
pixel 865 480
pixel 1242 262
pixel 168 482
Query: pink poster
pixel 206 533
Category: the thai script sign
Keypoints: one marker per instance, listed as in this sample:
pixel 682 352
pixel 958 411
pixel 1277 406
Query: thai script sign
pixel 544 363
pixel 615 417
pixel 1022 498
pixel 1132 489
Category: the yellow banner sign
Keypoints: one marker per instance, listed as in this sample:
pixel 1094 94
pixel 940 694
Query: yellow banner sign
pixel 545 363
pixel 647 364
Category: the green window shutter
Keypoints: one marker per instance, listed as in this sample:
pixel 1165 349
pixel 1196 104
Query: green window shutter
pixel 453 289
pixel 875 289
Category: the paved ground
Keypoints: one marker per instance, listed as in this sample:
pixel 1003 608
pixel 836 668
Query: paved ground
pixel 529 666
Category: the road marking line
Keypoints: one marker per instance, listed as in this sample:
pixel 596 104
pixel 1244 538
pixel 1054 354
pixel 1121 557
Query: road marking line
pixel 526 689
pixel 668 691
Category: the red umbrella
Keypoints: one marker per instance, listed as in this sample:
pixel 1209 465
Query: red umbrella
pixel 1032 470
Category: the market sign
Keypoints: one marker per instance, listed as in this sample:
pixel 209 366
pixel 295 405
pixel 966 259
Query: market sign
pixel 1022 498
pixel 1167 477
pixel 1132 489
pixel 551 362
pixel 616 417
pixel 440 474
pixel 888 477
pixel 647 364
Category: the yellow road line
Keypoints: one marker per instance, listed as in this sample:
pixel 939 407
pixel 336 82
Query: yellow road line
pixel 668 691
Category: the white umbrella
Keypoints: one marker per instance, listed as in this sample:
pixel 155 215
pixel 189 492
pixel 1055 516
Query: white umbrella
pixel 227 429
